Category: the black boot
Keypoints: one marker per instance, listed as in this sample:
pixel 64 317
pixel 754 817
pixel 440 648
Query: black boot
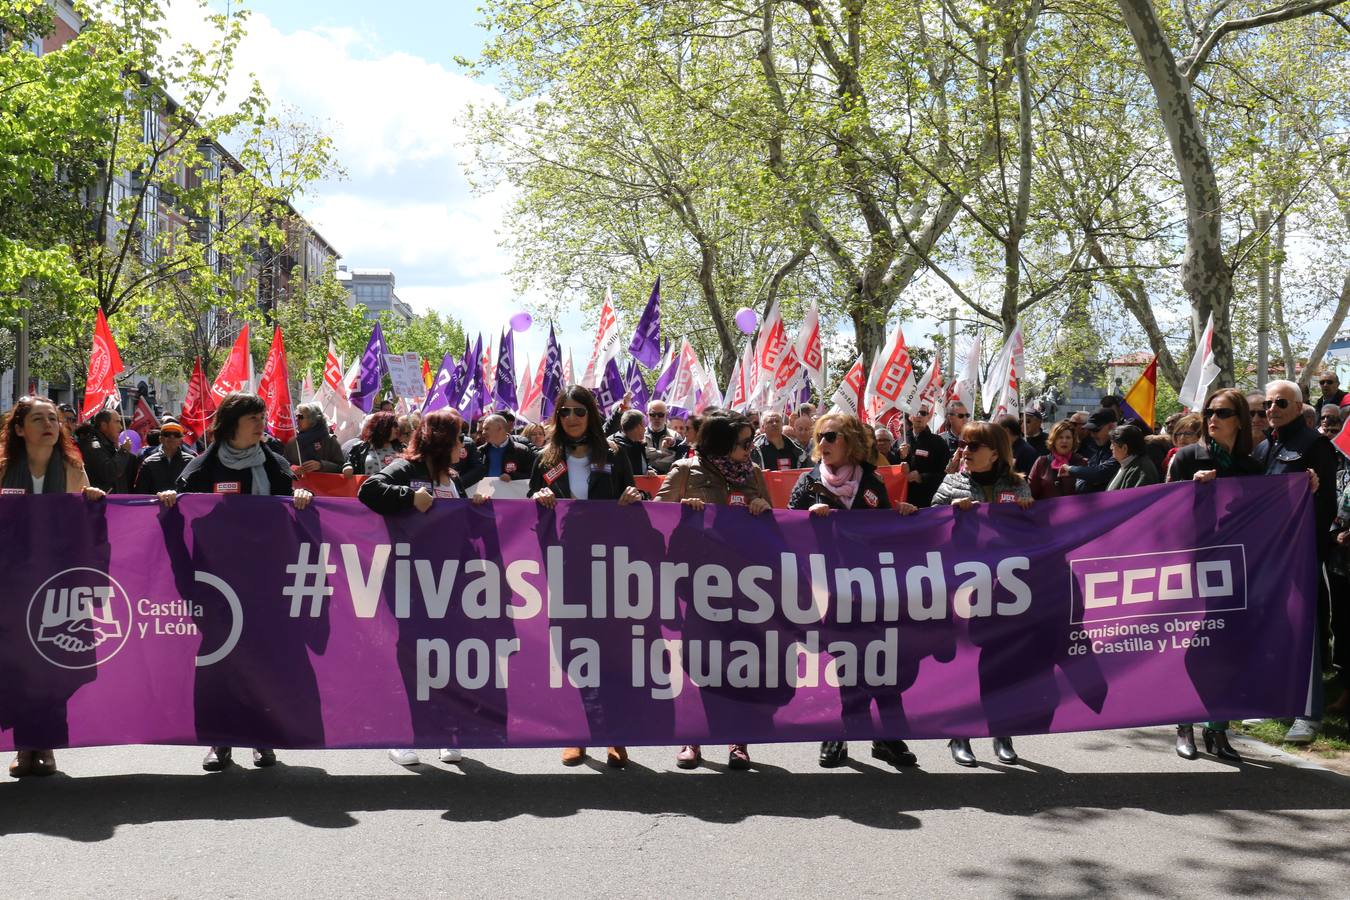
pixel 833 753
pixel 262 757
pixel 1216 743
pixel 961 752
pixel 217 758
pixel 1186 742
pixel 896 753
pixel 1003 749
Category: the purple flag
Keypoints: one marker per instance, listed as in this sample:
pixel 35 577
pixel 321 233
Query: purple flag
pixel 553 375
pixel 506 372
pixel 471 404
pixel 443 388
pixel 636 386
pixel 128 624
pixel 646 343
pixel 372 371
pixel 667 376
pixel 611 389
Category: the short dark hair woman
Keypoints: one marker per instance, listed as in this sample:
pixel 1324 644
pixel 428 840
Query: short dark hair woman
pixel 578 463
pixel 378 447
pixel 1129 449
pixel 844 478
pixel 237 462
pixel 39 457
pixel 721 473
pixel 985 474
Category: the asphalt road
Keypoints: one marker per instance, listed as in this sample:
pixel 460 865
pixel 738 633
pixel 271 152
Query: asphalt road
pixel 1090 815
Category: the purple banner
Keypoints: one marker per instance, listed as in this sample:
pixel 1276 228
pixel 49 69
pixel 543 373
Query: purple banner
pixel 240 621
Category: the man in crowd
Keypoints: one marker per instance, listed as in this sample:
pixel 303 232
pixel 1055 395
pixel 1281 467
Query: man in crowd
pixel 160 469
pixel 1329 420
pixel 927 455
pixel 632 431
pixel 958 417
pixel 1079 420
pixel 501 457
pixel 1260 420
pixel 1294 447
pixel 660 437
pixel 887 447
pixel 1330 383
pixel 775 451
pixel 105 459
pixel 1101 465
pixel 1033 432
pixel 1024 455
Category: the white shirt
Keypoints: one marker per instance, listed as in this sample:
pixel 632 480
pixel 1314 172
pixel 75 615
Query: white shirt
pixel 37 483
pixel 579 476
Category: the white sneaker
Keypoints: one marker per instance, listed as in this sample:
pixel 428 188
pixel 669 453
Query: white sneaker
pixel 1303 731
pixel 1252 721
pixel 451 754
pixel 404 757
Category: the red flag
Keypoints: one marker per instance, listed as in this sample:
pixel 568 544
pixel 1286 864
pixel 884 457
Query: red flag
pixel 143 419
pixel 198 406
pixel 234 375
pixel 275 391
pixel 105 364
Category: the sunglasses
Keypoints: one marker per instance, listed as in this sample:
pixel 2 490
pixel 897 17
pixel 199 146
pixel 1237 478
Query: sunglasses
pixel 656 415
pixel 957 415
pixel 829 437
pixel 1281 402
pixel 1331 419
pixel 1326 381
pixel 921 413
pixel 1259 414
pixel 1188 433
pixel 969 446
pixel 567 412
pixel 1222 412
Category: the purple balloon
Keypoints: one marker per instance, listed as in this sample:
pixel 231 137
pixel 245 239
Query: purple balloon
pixel 135 439
pixel 521 321
pixel 747 320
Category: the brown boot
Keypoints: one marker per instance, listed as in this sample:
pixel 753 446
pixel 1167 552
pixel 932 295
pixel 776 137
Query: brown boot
pixel 22 765
pixel 617 757
pixel 573 756
pixel 44 762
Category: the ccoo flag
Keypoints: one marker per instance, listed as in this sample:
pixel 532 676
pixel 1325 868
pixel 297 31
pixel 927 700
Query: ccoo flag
pixel 372 371
pixel 553 376
pixel 506 372
pixel 1139 402
pixel 646 344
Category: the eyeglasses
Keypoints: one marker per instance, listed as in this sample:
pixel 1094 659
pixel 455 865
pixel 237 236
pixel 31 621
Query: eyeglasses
pixel 1281 402
pixel 656 415
pixel 1334 419
pixel 1221 412
pixel 921 413
pixel 1194 434
pixel 1326 381
pixel 958 415
pixel 746 444
pixel 1259 414
pixel 567 412
pixel 829 437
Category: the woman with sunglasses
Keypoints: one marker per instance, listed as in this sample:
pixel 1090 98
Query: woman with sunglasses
pixel 578 463
pixel 1050 476
pixel 721 473
pixel 313 449
pixel 1225 452
pixel 843 478
pixel 38 457
pixel 985 474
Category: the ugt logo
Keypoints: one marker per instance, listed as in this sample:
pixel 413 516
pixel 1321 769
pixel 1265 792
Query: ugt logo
pixel 79 618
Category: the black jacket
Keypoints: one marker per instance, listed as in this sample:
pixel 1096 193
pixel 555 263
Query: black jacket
pixel 1196 458
pixel 809 491
pixel 928 455
pixel 206 474
pixel 1024 455
pixel 391 489
pixel 636 453
pixel 517 461
pixel 356 455
pixel 771 459
pixel 105 465
pixel 1101 467
pixel 607 482
pixel 159 472
pixel 1298 448
pixel 1039 442
pixel 466 470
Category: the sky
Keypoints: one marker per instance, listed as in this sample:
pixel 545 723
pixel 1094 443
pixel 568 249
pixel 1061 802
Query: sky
pixel 381 80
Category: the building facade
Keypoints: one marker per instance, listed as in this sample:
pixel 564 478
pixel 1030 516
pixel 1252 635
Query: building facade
pixel 374 289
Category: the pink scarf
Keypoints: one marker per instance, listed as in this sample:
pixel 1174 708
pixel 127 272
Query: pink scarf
pixel 843 483
pixel 1059 462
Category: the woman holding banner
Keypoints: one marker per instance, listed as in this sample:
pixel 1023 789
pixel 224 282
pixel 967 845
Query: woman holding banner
pixel 720 473
pixel 1225 452
pixel 313 449
pixel 986 474
pixel 578 463
pixel 379 446
pixel 38 457
pixel 843 478
pixel 237 462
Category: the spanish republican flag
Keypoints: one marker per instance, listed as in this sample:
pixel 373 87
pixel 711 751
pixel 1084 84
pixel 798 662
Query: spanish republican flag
pixel 1140 400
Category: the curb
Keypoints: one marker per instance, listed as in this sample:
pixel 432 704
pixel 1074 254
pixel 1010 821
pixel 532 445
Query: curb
pixel 1251 747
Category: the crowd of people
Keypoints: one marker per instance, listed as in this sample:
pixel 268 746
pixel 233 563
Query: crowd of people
pixel 719 457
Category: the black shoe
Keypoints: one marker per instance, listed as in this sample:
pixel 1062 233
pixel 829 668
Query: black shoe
pixel 1216 743
pixel 1003 749
pixel 217 758
pixel 833 753
pixel 264 758
pixel 894 752
pixel 961 752
pixel 1186 742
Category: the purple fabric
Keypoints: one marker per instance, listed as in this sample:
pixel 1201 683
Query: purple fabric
pixel 646 344
pixel 553 375
pixel 636 386
pixel 611 389
pixel 372 371
pixel 443 387
pixel 666 378
pixel 506 373
pixel 481 626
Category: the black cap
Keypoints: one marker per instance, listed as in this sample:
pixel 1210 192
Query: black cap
pixel 1034 413
pixel 1100 418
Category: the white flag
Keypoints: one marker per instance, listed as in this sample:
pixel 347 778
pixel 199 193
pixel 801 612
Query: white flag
pixel 1202 371
pixel 964 389
pixel 606 344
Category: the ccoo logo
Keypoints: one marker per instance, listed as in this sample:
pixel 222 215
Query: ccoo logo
pixel 79 618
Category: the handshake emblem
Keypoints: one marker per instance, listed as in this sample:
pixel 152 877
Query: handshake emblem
pixel 78 619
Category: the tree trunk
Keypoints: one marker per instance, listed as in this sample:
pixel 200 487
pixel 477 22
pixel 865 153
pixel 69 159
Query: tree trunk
pixel 1206 275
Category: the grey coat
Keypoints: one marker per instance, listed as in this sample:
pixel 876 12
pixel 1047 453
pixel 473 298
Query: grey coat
pixel 959 486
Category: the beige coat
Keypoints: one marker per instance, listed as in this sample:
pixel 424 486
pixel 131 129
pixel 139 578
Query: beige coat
pixel 691 478
pixel 76 480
